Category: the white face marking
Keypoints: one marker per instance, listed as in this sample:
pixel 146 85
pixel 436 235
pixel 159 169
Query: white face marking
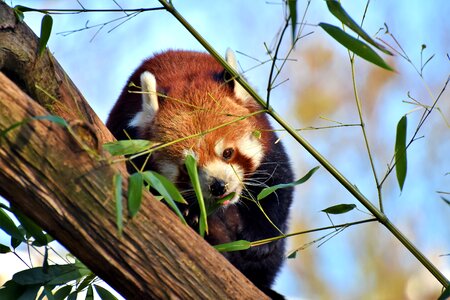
pixel 218 149
pixel 232 175
pixel 252 148
pixel 239 91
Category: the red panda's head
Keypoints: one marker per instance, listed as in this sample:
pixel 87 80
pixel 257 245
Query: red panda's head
pixel 193 112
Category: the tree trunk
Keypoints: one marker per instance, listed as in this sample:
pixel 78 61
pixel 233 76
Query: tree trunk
pixel 61 179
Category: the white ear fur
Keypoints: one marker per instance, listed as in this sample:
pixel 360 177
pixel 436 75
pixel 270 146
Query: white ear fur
pixel 230 57
pixel 239 91
pixel 150 104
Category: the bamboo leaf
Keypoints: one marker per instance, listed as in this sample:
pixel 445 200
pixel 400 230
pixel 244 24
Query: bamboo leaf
pixel 63 292
pixel 166 189
pixel 89 293
pixel 338 11
pixel 47 292
pixel 104 293
pixel 55 119
pixel 51 118
pixel 293 255
pixel 126 147
pixel 11 290
pixel 73 296
pixel 135 183
pixel 23 8
pixel 356 46
pixel 86 281
pixel 233 246
pixel 119 204
pixel 165 183
pixel 292 5
pixel 191 166
pixel 32 229
pixel 46 29
pixel 55 274
pixel 4 249
pixel 8 226
pixel 19 14
pixel 15 242
pixel 400 152
pixel 29 291
pixel 269 190
pixel 445 295
pixel 339 209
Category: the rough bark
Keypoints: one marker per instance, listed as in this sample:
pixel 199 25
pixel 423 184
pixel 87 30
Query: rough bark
pixel 63 181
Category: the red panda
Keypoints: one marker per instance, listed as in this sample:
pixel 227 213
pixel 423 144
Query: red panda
pixel 188 97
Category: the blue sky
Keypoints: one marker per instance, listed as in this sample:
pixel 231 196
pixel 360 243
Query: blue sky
pixel 100 64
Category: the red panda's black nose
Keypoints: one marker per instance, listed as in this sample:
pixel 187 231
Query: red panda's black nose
pixel 218 187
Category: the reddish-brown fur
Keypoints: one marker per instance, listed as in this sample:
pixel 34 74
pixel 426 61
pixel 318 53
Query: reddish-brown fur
pixel 193 99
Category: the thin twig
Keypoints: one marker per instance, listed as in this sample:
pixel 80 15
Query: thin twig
pixel 75 11
pixel 265 241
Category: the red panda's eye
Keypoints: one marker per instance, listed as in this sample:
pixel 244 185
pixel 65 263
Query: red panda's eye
pixel 227 153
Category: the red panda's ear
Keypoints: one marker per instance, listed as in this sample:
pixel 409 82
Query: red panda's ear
pixel 150 104
pixel 239 91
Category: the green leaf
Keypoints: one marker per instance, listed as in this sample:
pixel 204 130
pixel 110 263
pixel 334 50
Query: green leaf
pixel 55 275
pixel 46 29
pixel 356 46
pixel 73 296
pixel 292 4
pixel 19 14
pixel 233 246
pixel 8 226
pixel 400 152
pixel 191 166
pixel 54 119
pixel 135 183
pixel 64 278
pixel 126 147
pixel 160 182
pixel 48 292
pixel 11 290
pixel 338 11
pixel 63 292
pixel 339 209
pixel 269 190
pixel 86 281
pixel 293 255
pixel 31 228
pixel 4 249
pixel 90 293
pixel 166 189
pixel 119 204
pixel 15 242
pixel 30 292
pixel 445 295
pixel 23 8
pixel 104 293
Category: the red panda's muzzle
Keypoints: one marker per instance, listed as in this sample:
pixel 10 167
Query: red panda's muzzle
pixel 218 187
